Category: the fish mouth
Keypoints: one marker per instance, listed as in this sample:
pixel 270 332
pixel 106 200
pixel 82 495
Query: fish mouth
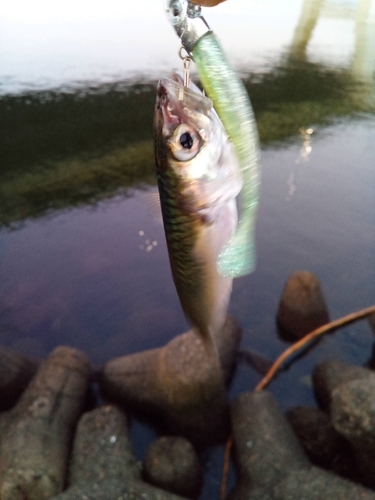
pixel 173 91
pixel 162 95
pixel 168 91
pixel 180 95
pixel 166 114
pixel 176 104
pixel 177 77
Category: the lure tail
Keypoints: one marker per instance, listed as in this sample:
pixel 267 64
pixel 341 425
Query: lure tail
pixel 238 257
pixel 232 104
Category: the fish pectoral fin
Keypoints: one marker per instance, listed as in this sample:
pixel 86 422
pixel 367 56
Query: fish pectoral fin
pixel 207 216
pixel 225 188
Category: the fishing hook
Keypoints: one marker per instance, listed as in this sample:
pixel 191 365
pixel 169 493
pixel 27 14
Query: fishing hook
pixel 186 59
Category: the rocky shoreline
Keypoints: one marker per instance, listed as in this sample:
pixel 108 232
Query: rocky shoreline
pixel 57 442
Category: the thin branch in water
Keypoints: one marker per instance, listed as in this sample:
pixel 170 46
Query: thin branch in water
pixel 333 325
pixel 224 478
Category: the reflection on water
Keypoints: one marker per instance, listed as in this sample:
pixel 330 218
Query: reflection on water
pixel 306 148
pixel 361 15
pixel 62 149
pixel 88 265
pixel 303 157
pixel 67 148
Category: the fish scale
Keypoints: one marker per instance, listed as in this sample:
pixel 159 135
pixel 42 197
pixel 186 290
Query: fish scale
pixel 180 230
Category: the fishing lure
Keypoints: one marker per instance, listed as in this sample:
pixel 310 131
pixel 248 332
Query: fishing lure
pixel 233 106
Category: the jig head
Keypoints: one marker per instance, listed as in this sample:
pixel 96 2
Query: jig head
pixel 188 22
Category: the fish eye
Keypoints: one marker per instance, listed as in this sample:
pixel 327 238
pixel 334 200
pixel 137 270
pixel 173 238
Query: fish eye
pixel 186 140
pixel 175 7
pixel 185 143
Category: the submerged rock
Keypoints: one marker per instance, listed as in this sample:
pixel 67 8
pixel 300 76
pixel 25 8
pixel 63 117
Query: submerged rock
pixel 353 412
pixel 353 416
pixel 330 374
pixel 179 383
pixel 16 372
pixel 302 307
pixel 323 445
pixel 103 466
pixel 270 460
pixel 171 463
pixel 348 392
pixel 36 433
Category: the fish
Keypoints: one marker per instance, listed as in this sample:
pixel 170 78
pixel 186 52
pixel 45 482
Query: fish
pixel 232 103
pixel 198 179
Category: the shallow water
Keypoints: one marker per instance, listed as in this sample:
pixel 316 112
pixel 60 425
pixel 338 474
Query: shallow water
pixel 83 259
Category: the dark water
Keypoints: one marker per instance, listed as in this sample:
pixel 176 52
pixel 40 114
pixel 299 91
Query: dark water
pixel 83 259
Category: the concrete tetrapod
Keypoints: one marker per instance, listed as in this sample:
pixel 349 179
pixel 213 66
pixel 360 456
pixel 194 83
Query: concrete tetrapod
pixel 302 307
pixel 330 374
pixel 178 383
pixel 16 371
pixel 171 463
pixel 103 466
pixel 348 392
pixel 270 461
pixel 323 445
pixel 36 433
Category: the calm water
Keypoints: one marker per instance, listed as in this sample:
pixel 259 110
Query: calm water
pixel 83 259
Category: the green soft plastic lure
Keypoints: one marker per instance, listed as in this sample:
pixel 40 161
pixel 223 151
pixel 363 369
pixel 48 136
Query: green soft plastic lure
pixel 233 106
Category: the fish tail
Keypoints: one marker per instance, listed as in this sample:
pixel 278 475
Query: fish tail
pixel 209 343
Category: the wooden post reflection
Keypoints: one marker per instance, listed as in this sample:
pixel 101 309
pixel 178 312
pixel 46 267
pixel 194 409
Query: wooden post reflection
pixel 363 15
pixel 363 64
pixel 307 21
